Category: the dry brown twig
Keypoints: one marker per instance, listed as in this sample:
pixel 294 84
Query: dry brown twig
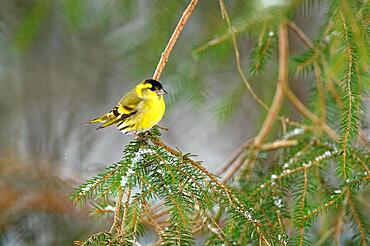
pixel 277 101
pixel 172 41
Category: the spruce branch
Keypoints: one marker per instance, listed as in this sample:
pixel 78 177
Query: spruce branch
pixel 293 98
pixel 350 97
pixel 290 172
pixel 330 85
pixel 303 202
pixel 124 216
pixel 117 212
pixel 358 218
pixel 235 203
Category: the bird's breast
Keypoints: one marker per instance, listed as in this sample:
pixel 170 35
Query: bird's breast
pixel 152 112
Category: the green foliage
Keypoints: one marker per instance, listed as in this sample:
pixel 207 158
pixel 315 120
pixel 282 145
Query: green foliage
pixel 341 14
pixel 282 195
pixel 262 50
pixel 187 191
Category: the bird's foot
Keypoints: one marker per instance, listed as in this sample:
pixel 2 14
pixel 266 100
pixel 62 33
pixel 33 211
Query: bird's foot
pixel 143 137
pixel 163 128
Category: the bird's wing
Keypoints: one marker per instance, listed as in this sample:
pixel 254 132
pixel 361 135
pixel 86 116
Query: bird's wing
pixel 130 98
pixel 127 106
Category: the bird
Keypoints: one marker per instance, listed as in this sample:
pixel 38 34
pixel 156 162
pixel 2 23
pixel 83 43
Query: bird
pixel 138 110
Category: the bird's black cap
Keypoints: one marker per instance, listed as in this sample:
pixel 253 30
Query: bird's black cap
pixel 156 85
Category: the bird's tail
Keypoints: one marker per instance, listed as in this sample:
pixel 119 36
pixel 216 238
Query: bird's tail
pixel 101 119
pixel 107 120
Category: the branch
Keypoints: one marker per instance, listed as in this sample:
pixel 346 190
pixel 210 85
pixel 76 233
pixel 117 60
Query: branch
pixel 235 156
pixel 278 144
pixel 301 35
pixel 171 43
pixel 279 94
pixel 117 211
pixel 293 98
pixel 124 216
pixel 357 219
pixel 234 201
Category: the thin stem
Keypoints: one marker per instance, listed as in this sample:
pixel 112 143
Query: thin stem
pixel 357 219
pixel 235 156
pixel 320 90
pixel 117 211
pixel 301 35
pixel 303 202
pixel 125 211
pixel 279 94
pixel 171 43
pixel 278 144
pixel 225 15
pixel 293 98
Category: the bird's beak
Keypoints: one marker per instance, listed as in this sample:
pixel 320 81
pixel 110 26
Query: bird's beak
pixel 161 92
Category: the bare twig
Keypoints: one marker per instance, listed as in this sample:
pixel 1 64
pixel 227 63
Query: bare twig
pixel 241 159
pixel 171 43
pixel 320 90
pixel 278 144
pixel 235 156
pixel 238 165
pixel 317 71
pixel 279 94
pixel 301 35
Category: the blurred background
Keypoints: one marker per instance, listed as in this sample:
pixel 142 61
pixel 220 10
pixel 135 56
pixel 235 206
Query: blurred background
pixel 64 62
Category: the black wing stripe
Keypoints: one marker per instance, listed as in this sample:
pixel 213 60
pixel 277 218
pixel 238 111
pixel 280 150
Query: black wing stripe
pixel 115 111
pixel 128 108
pixel 125 116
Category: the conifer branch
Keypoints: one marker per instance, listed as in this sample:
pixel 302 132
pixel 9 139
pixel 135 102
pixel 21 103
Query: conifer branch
pixel 350 111
pixel 172 41
pixel 234 202
pixel 330 85
pixel 124 216
pixel 295 101
pixel 324 206
pixel 357 219
pixel 303 205
pixel 117 212
pixel 289 172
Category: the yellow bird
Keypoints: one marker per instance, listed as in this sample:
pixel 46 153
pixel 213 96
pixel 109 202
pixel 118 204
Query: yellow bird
pixel 138 111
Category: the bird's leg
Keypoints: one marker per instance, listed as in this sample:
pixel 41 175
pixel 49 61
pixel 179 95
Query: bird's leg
pixel 163 128
pixel 141 137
